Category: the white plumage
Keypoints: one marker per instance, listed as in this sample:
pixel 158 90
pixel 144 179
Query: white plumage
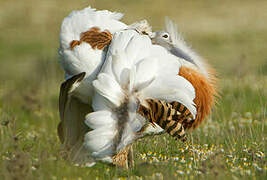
pixel 134 70
pixel 81 64
pixel 84 58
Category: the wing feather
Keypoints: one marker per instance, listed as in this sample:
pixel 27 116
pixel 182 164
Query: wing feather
pixel 72 128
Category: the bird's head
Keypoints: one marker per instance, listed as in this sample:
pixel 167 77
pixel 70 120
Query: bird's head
pixel 161 38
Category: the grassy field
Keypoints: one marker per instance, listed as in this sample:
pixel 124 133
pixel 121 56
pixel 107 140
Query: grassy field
pixel 231 35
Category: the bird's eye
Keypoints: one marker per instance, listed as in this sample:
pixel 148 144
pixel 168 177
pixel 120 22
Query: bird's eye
pixel 165 36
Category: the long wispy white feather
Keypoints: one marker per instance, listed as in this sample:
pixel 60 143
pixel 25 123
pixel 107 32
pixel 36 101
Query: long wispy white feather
pixel 182 48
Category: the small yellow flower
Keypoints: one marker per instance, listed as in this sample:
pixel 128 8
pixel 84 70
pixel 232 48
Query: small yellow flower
pixel 245 164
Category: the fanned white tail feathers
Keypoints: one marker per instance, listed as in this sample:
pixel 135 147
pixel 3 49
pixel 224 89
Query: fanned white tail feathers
pixel 134 71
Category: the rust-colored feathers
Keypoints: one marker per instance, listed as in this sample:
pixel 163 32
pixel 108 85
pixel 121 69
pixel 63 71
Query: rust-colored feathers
pixel 95 38
pixel 174 117
pixel 205 90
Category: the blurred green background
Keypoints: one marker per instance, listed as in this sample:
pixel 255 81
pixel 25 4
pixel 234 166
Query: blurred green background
pixel 231 35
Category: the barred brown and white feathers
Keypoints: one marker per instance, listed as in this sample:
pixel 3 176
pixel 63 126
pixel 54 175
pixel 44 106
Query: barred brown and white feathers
pixel 172 117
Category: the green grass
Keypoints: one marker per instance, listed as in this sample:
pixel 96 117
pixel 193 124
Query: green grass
pixel 229 145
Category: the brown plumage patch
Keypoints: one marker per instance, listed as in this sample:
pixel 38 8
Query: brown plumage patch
pixel 205 92
pixel 95 38
pixel 121 159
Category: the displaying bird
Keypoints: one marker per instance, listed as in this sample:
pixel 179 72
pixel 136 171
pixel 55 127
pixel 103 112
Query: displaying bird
pixel 138 82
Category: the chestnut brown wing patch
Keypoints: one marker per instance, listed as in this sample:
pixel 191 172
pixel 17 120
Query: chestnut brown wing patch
pixel 97 40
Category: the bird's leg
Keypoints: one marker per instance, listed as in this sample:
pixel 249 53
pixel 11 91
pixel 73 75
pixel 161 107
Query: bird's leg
pixel 130 157
pixel 124 158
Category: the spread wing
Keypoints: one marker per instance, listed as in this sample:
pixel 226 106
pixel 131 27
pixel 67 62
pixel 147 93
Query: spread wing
pixel 72 128
pixel 77 52
pixel 84 36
